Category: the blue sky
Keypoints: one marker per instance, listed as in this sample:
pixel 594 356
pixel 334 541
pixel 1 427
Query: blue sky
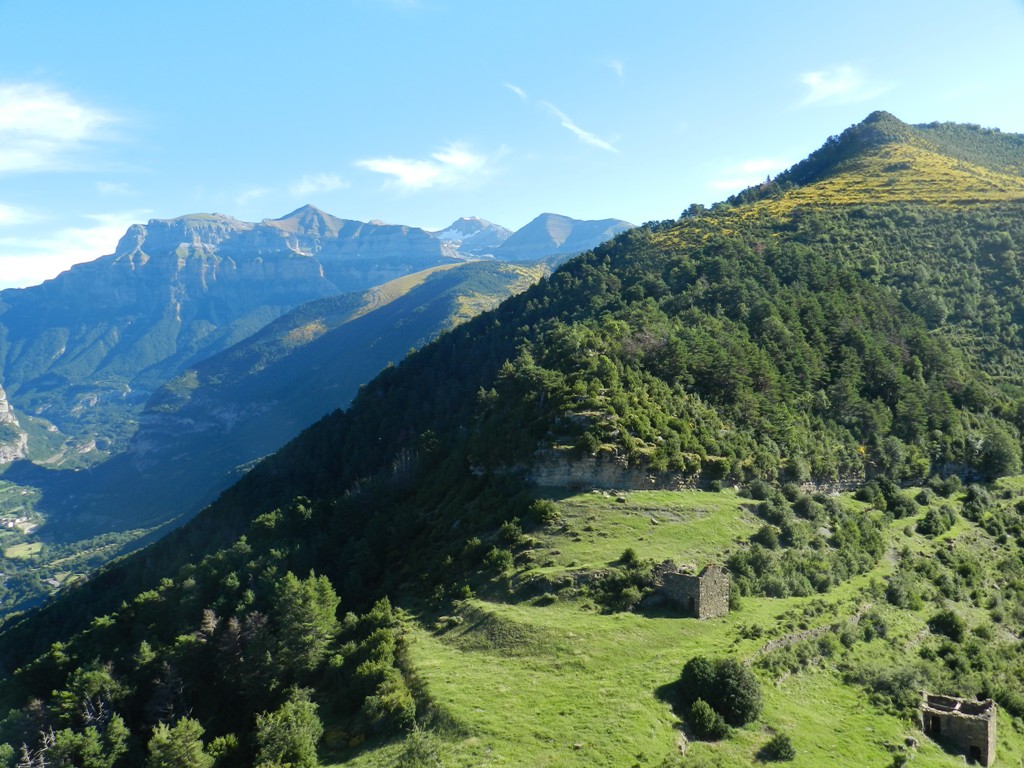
pixel 420 111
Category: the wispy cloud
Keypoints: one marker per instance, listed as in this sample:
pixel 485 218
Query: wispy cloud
pixel 447 167
pixel 618 68
pixel 585 136
pixel 12 215
pixel 316 182
pixel 29 261
pixel 40 126
pixel 516 90
pixel 246 196
pixel 841 85
pixel 747 174
pixel 115 189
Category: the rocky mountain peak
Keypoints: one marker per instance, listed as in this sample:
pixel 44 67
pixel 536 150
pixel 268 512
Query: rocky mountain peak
pixel 308 220
pixel 473 235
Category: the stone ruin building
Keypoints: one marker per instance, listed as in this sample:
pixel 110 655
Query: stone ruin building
pixel 964 725
pixel 703 596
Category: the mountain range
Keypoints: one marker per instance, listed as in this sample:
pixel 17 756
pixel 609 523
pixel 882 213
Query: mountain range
pixel 81 353
pixel 467 565
pixel 107 449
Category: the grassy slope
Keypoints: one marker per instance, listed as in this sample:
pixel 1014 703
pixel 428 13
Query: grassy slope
pixel 542 683
pixel 903 173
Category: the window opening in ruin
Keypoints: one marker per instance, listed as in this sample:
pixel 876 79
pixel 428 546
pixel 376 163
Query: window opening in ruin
pixel 975 754
pixel 936 725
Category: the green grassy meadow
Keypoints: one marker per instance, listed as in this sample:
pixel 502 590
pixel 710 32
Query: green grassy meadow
pixel 553 682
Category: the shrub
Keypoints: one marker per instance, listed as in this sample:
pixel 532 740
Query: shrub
pixel 727 685
pixel 498 559
pixel 422 749
pixel 775 511
pixel 628 598
pixel 900 506
pixel 947 487
pixel 289 734
pixel 948 623
pixel 937 521
pixel 899 687
pixel 707 724
pixel 779 748
pixel 809 509
pixel 767 536
pixel 902 595
pixel 511 532
pixel 871 494
pixel 735 599
pixel 758 489
pixel 629 558
pixel 544 512
pixel 976 501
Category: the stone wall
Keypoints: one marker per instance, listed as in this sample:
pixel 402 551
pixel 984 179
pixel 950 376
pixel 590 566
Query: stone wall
pixel 683 589
pixel 964 725
pixel 703 596
pixel 714 592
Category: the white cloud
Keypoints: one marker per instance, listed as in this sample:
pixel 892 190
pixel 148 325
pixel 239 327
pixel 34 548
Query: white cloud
pixel 618 69
pixel 585 136
pixel 516 90
pixel 316 182
pixel 12 215
pixel 252 193
pixel 841 85
pixel 747 174
pixel 39 126
pixel 25 261
pixel 445 168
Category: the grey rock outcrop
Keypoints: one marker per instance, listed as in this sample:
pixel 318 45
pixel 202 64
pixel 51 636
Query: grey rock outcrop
pixel 13 440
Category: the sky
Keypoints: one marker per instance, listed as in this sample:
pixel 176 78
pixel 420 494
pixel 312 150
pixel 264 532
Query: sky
pixel 418 112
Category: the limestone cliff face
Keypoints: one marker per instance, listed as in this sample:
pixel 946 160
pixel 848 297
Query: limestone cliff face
pixel 562 470
pixel 13 440
pixel 110 331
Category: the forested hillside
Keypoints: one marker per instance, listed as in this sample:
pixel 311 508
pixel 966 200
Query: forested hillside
pixel 855 321
pixel 206 427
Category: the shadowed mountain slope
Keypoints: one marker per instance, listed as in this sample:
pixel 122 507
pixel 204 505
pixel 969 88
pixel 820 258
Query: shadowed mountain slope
pixel 80 354
pixel 201 430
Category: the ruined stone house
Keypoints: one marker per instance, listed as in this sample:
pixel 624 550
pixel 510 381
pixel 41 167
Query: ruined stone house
pixel 961 724
pixel 703 596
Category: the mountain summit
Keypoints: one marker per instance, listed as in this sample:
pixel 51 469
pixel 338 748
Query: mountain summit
pixel 883 158
pixel 474 236
pixel 553 233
